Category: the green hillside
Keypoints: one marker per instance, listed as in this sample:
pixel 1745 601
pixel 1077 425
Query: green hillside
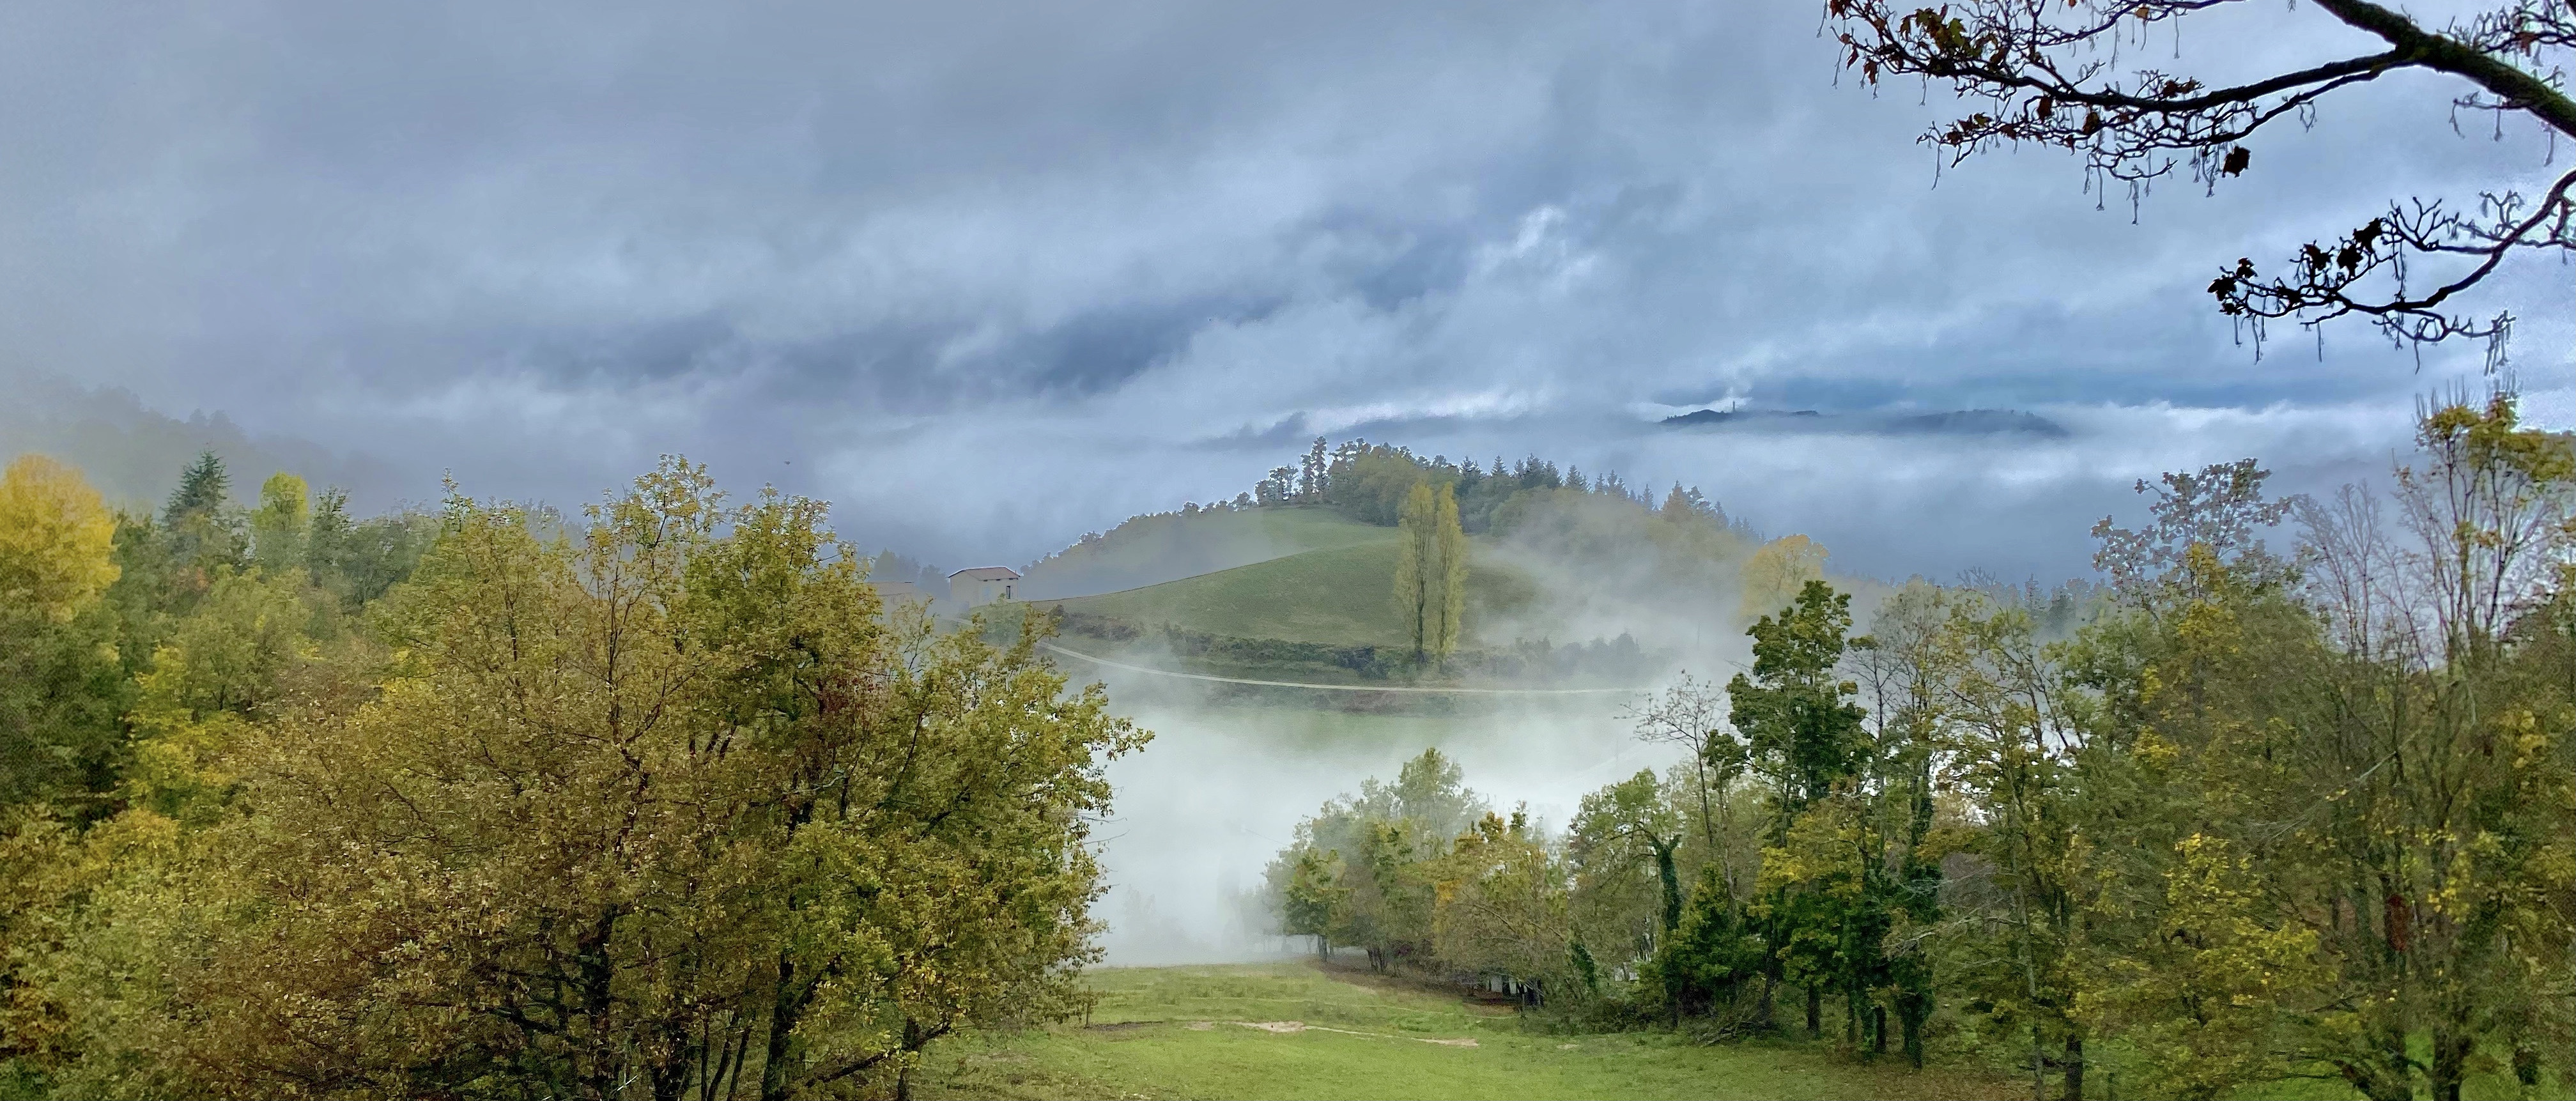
pixel 1343 596
pixel 1149 550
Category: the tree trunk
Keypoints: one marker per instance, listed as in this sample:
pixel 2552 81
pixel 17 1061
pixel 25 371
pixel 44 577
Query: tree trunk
pixel 785 1009
pixel 668 1075
pixel 2074 1066
pixel 2038 1066
pixel 1672 883
pixel 1878 1030
pixel 1815 1012
pixel 913 1041
pixel 2450 1061
pixel 595 974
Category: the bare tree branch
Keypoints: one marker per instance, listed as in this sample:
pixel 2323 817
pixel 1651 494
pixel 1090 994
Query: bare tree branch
pixel 2046 72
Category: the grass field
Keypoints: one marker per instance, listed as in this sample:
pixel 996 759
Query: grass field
pixel 1293 1030
pixel 1154 549
pixel 1342 596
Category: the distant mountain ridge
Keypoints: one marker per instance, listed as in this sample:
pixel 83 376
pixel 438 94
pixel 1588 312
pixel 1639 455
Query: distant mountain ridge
pixel 1958 422
pixel 133 454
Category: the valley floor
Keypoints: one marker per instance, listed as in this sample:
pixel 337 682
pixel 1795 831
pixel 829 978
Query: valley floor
pixel 1294 1029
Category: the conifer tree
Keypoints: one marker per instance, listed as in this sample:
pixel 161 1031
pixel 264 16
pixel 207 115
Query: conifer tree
pixel 202 490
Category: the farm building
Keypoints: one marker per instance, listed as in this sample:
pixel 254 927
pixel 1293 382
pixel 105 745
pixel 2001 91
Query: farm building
pixel 983 585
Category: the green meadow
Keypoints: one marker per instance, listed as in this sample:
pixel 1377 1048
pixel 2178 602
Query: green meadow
pixel 1297 1030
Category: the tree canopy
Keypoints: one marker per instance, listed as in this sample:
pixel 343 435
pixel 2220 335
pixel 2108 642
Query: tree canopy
pixel 661 802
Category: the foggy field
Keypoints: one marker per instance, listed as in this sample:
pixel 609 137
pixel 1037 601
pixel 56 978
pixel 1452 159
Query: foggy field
pixel 1187 1032
pixel 1220 790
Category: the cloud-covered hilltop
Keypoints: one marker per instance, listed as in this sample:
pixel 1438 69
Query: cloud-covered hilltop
pixel 1960 422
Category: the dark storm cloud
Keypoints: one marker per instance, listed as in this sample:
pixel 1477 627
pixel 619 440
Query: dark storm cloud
pixel 993 276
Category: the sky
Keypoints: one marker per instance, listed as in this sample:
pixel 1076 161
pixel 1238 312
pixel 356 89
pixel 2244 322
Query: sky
pixel 991 276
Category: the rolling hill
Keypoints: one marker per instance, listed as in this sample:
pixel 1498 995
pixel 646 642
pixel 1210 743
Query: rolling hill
pixel 1150 550
pixel 1340 596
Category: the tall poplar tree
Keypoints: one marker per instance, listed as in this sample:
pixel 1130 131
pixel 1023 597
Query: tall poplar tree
pixel 1415 545
pixel 1449 544
pixel 1430 570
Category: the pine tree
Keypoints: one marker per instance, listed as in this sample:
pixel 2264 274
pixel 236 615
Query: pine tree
pixel 202 490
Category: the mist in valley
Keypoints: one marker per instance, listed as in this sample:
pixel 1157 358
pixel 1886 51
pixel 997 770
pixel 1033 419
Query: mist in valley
pixel 1203 810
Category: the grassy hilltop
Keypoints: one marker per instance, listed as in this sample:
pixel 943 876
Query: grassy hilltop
pixel 1149 550
pixel 1342 596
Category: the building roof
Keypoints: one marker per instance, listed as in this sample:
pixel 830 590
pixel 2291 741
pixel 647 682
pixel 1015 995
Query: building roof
pixel 987 573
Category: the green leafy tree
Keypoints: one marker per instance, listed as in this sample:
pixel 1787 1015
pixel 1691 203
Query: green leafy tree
pixel 1313 899
pixel 1795 709
pixel 1629 831
pixel 1501 907
pixel 1805 736
pixel 1712 958
pixel 1360 871
pixel 1905 668
pixel 280 527
pixel 668 808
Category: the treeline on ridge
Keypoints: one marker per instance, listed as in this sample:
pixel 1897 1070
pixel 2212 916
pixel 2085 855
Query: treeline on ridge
pixel 1595 536
pixel 1367 482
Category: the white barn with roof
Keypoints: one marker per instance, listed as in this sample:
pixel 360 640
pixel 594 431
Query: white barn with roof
pixel 983 585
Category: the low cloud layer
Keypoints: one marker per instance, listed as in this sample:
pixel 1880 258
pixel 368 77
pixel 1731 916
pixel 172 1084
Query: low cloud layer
pixel 990 279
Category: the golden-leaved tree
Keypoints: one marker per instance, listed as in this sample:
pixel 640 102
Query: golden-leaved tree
pixel 659 805
pixel 1775 574
pixel 56 562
